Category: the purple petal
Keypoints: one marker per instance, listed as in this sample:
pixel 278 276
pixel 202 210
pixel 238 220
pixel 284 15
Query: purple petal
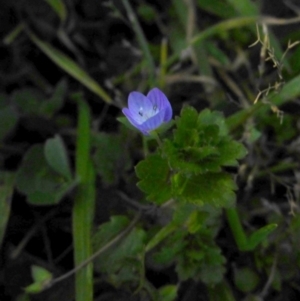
pixel 159 99
pixel 153 122
pixel 168 114
pixel 138 102
pixel 130 117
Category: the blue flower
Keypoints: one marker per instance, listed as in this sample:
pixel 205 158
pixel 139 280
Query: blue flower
pixel 147 113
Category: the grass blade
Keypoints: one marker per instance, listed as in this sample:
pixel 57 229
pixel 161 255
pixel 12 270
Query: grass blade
pixel 71 67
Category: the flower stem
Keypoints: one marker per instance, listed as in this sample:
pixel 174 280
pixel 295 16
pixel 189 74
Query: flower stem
pixel 157 138
pixel 83 205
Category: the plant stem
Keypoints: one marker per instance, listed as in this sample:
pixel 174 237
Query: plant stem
pixel 237 228
pixel 84 204
pixel 157 138
pixel 163 63
pixel 141 40
pixel 115 240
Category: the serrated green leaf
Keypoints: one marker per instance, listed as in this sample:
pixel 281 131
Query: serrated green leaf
pixel 216 189
pixel 182 212
pixel 197 159
pixel 201 259
pixel 212 269
pixel 207 117
pixel 109 230
pixel 195 221
pixel 56 156
pixel 154 178
pixel 201 143
pixel 186 126
pixel 173 245
pixel 212 274
pixel 120 263
pixel 230 151
pixel 220 292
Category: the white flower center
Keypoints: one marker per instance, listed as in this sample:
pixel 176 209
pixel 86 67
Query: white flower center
pixel 146 115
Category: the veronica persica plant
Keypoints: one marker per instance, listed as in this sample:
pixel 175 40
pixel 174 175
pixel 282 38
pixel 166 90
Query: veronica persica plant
pixel 147 113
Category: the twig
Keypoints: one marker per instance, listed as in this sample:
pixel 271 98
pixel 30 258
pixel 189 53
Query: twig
pixel 96 254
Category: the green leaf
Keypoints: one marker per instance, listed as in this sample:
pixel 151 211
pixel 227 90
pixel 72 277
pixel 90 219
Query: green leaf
pixel 109 230
pixel 173 245
pixel 201 143
pixel 35 288
pixel 50 106
pixel 230 151
pixel 41 279
pixel 154 178
pixel 59 7
pixel 28 100
pixel 114 259
pixel 121 262
pixel 71 67
pixel 125 122
pixel 215 51
pixel 50 198
pixel 217 7
pixel 8 121
pixel 245 7
pixel 6 191
pixel 33 163
pixel 220 292
pixel 260 235
pixel 36 179
pixel 201 259
pixel 245 279
pixel 31 101
pixel 111 156
pixel 40 274
pixel 189 159
pixel 167 293
pixel 207 117
pixel 160 236
pixel 146 12
pixel 186 126
pixel 212 269
pixel 216 189
pixel 57 157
